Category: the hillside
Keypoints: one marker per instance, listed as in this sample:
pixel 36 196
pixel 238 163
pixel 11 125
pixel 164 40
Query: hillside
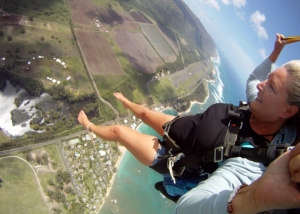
pixel 175 15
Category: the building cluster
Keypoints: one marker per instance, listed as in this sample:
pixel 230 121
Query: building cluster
pixel 33 58
pixel 90 161
pixel 61 62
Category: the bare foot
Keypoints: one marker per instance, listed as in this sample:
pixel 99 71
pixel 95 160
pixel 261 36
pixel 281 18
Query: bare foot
pixel 123 99
pixel 83 119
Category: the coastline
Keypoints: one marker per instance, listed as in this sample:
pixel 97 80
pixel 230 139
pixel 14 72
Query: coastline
pixel 108 190
pixel 192 103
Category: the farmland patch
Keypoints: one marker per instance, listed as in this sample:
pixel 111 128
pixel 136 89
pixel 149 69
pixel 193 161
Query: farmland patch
pixel 83 12
pixel 118 19
pixel 160 44
pixel 98 55
pixel 138 51
pixel 140 17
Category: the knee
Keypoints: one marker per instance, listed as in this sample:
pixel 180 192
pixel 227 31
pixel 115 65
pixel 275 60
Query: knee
pixel 118 130
pixel 143 113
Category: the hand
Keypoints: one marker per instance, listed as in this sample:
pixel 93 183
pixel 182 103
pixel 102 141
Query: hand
pixel 278 46
pixel 294 164
pixel 276 187
pixel 279 43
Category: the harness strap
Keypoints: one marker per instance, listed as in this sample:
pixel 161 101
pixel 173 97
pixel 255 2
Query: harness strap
pixel 177 161
pixel 168 142
pixel 263 155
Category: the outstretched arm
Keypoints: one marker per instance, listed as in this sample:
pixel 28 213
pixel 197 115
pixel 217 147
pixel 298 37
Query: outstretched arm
pixel 278 47
pixel 261 72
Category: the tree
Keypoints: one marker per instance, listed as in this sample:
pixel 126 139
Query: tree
pixel 1 33
pixel 9 38
pixel 22 31
pixel 45 158
pixel 51 182
pixel 17 50
pixel 69 190
pixel 30 157
pixel 42 38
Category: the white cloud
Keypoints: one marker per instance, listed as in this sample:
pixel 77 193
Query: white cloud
pixel 256 20
pixel 262 52
pixel 240 14
pixel 214 3
pixel 235 3
pixel 226 2
pixel 239 3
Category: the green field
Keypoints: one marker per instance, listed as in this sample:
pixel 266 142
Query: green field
pixel 29 45
pixel 157 40
pixel 108 4
pixel 161 90
pixel 3 137
pixel 20 192
pixel 54 11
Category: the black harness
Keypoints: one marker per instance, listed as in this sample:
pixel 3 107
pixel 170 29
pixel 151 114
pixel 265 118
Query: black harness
pixel 178 160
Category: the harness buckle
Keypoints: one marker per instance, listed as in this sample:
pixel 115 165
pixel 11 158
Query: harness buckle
pixel 235 124
pixel 218 154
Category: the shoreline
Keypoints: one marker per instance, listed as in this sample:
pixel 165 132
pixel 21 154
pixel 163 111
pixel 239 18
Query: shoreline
pixel 111 182
pixel 191 105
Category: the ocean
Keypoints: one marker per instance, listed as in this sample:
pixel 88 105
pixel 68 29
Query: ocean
pixel 133 189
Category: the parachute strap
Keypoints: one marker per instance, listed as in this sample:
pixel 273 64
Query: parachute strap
pixel 168 142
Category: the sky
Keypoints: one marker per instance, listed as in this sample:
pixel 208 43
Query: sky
pixel 245 30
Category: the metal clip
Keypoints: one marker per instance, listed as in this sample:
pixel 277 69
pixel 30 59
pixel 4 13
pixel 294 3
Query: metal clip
pixel 171 161
pixel 218 154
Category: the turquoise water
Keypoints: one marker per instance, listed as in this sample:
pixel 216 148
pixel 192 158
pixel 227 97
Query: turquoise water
pixel 133 189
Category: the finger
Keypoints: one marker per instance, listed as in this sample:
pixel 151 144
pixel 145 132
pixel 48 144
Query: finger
pixel 295 151
pixel 296 177
pixel 294 166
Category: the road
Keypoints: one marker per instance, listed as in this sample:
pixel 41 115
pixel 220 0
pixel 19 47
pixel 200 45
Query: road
pixel 34 146
pixel 57 140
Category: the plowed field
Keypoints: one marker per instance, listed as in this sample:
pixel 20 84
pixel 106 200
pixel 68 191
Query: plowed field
pixel 98 55
pixel 138 51
pixel 83 12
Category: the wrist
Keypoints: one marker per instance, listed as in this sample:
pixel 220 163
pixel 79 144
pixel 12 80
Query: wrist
pixel 248 200
pixel 245 201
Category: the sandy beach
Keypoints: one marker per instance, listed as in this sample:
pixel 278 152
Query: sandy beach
pixel 191 104
pixel 122 151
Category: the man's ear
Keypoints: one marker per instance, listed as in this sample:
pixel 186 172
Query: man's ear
pixel 290 111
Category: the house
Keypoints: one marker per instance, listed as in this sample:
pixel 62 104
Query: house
pixel 102 153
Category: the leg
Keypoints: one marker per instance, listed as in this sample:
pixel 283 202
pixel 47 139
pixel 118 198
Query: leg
pixel 153 119
pixel 142 146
